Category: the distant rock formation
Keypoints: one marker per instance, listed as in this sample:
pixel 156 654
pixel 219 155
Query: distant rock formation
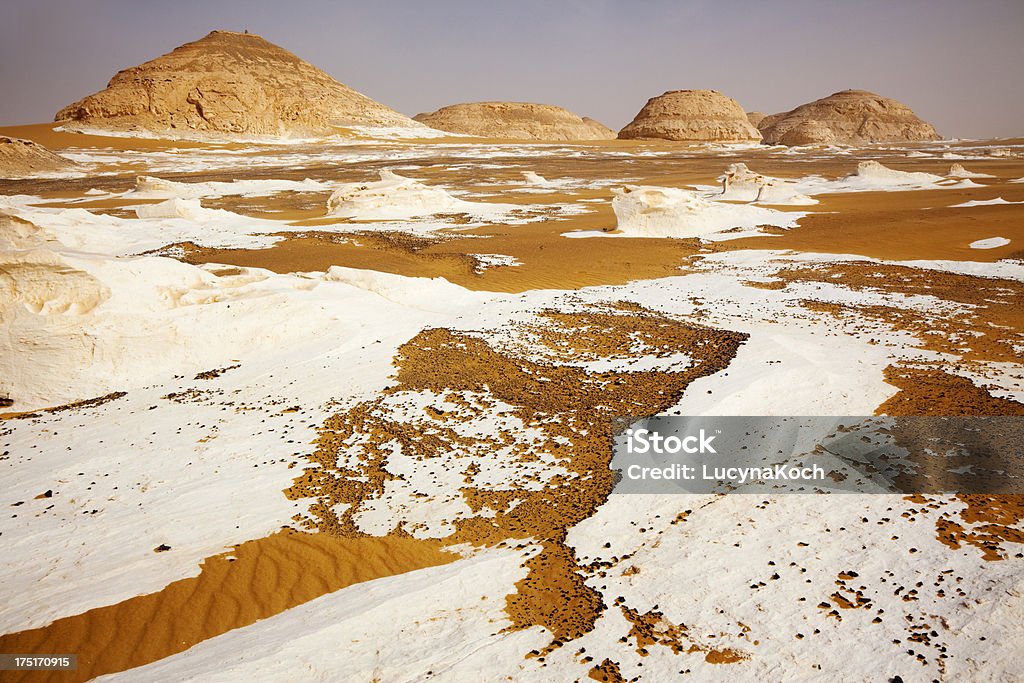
pixel 958 171
pixel 515 121
pixel 228 83
pixel 755 117
pixel 24 158
pixel 873 172
pixel 850 117
pixel 692 116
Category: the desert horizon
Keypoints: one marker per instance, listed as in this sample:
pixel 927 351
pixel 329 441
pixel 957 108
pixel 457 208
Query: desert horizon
pixel 440 366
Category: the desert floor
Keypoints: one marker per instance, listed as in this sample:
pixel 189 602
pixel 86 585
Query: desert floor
pixel 250 440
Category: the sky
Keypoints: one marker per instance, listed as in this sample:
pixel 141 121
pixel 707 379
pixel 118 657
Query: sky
pixel 958 64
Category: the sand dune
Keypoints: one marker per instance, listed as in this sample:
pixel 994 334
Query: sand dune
pixel 252 581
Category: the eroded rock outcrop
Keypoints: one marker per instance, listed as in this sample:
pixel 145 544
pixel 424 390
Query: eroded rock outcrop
pixel 228 83
pixel 739 183
pixel 515 121
pixel 24 158
pixel 692 116
pixel 850 117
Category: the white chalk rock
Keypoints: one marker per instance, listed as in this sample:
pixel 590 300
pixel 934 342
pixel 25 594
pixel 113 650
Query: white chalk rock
pixel 159 187
pixel 393 197
pixel 739 183
pixel 958 171
pixel 874 173
pixel 189 209
pixel 989 243
pixel 533 178
pixel 672 212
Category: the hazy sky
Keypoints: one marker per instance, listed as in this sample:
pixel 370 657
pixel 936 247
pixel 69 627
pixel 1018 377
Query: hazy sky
pixel 958 64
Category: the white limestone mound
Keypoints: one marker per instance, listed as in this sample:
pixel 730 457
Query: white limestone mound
pixel 155 226
pixel 989 243
pixel 996 201
pixel 396 197
pixel 39 282
pixel 671 212
pixel 435 294
pixel 534 178
pixel 18 234
pixel 739 183
pixel 153 187
pixel 393 197
pixel 958 171
pixel 42 303
pixel 189 209
pixel 874 173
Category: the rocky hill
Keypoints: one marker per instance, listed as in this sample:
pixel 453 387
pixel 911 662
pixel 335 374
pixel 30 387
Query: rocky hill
pixel 229 83
pixel 515 121
pixel 692 116
pixel 850 117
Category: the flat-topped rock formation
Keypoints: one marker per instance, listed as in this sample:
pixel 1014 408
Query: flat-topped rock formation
pixel 755 117
pixel 692 116
pixel 515 121
pixel 228 84
pixel 850 117
pixel 24 158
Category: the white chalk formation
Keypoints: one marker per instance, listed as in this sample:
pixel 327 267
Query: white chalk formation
pixel 150 187
pixel 874 172
pixel 958 171
pixel 393 197
pixel 396 197
pixel 671 212
pixel 739 183
pixel 535 179
pixel 189 209
pixel 989 243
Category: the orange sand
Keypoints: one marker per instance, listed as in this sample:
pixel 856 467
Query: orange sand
pixel 266 577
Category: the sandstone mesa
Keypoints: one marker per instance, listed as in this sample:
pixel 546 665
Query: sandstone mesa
pixel 515 121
